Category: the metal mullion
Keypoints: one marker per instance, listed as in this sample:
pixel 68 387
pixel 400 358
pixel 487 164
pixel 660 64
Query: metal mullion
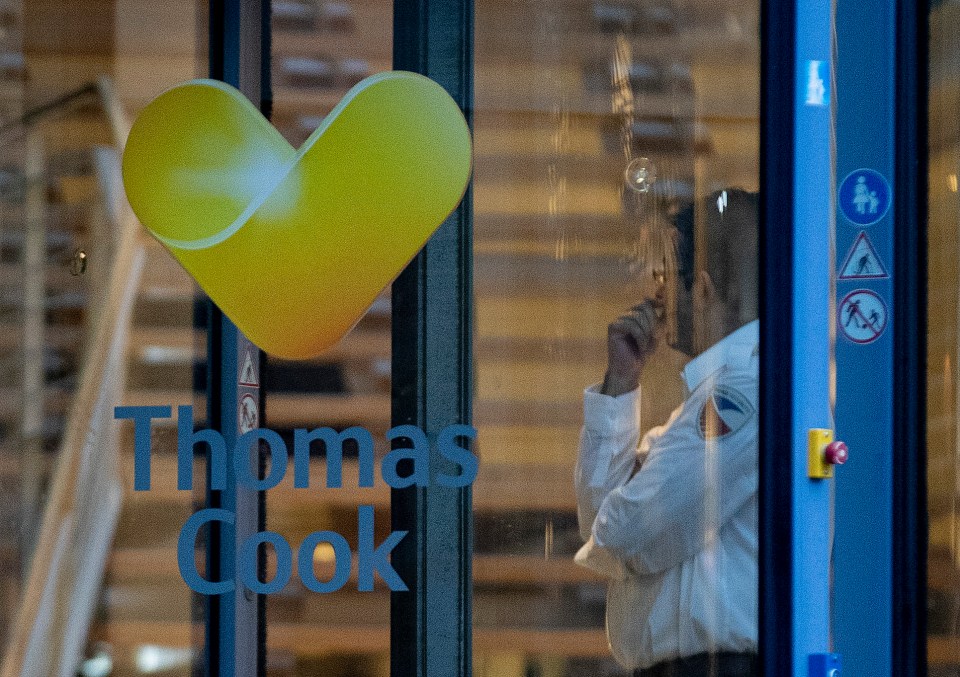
pixel 777 66
pixel 910 529
pixel 797 188
pixel 238 55
pixel 430 625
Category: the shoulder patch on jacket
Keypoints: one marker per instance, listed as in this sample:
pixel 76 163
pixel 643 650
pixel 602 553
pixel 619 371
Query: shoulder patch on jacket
pixel 724 412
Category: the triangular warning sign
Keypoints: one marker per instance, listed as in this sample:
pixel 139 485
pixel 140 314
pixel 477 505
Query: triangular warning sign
pixel 248 373
pixel 863 262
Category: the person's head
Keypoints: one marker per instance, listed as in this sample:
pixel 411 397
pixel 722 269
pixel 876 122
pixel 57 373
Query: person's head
pixel 717 269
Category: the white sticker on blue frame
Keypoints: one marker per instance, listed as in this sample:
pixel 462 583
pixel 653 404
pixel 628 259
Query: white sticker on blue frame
pixel 814 83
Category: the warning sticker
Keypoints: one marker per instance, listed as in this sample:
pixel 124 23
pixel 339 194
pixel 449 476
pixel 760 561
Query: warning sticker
pixel 248 372
pixel 248 414
pixel 863 262
pixel 862 316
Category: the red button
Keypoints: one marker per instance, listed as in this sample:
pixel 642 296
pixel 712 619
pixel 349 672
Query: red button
pixel 836 453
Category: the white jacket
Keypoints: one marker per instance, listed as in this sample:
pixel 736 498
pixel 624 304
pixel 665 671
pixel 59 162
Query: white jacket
pixel 678 539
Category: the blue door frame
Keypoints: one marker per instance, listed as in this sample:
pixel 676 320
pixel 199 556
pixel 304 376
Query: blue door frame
pixel 812 324
pixel 865 125
pixel 880 546
pixel 797 188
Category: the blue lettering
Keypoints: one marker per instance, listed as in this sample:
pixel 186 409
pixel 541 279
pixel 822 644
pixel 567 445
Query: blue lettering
pixel 372 559
pixel 141 439
pixel 419 455
pixel 248 562
pixel 186 546
pixel 341 559
pixel 450 450
pixel 187 440
pixel 333 446
pixel 249 476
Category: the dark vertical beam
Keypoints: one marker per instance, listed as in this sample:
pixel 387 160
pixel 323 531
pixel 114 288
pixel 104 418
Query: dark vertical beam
pixel 909 584
pixel 239 55
pixel 430 630
pixel 266 107
pixel 777 92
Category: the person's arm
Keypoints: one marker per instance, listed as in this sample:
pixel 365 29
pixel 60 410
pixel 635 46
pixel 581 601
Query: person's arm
pixel 607 458
pixel 608 450
pixel 611 430
pixel 611 412
pixel 686 491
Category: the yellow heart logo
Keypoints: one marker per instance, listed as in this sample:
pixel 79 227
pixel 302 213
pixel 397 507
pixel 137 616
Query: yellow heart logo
pixel 294 245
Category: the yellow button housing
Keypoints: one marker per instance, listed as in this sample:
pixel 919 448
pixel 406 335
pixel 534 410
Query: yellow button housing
pixel 817 466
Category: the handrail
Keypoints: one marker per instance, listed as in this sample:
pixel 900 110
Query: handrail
pixel 116 115
pixel 81 513
pixel 44 109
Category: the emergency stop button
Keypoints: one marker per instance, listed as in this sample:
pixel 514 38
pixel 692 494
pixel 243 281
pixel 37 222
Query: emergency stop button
pixel 836 453
pixel 823 453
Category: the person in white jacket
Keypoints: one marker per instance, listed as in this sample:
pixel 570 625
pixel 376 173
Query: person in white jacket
pixel 671 520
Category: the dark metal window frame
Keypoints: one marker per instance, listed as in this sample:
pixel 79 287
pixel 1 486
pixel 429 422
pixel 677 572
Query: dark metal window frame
pixel 430 625
pixel 235 624
pixel 778 24
pixel 910 536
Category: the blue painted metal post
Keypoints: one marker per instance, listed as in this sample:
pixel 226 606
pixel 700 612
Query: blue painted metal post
pixel 866 39
pixel 812 322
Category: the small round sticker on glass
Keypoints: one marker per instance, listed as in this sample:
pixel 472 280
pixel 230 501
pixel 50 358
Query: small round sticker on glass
pixel 864 197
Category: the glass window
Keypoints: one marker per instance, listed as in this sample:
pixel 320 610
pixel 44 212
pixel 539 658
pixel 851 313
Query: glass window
pixel 320 51
pixel 90 581
pixel 943 461
pixel 616 172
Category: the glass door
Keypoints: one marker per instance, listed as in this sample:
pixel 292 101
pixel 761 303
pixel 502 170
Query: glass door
pixel 943 451
pixel 651 337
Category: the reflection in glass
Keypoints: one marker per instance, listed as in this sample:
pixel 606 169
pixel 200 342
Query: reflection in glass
pixel 90 578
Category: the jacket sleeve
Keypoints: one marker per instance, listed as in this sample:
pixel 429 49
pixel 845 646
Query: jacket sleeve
pixel 608 451
pixel 687 489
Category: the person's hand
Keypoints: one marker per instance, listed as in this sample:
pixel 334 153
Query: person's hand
pixel 631 339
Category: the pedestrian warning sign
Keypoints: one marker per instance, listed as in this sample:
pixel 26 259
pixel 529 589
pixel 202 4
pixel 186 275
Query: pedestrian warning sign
pixel 862 316
pixel 248 372
pixel 863 262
